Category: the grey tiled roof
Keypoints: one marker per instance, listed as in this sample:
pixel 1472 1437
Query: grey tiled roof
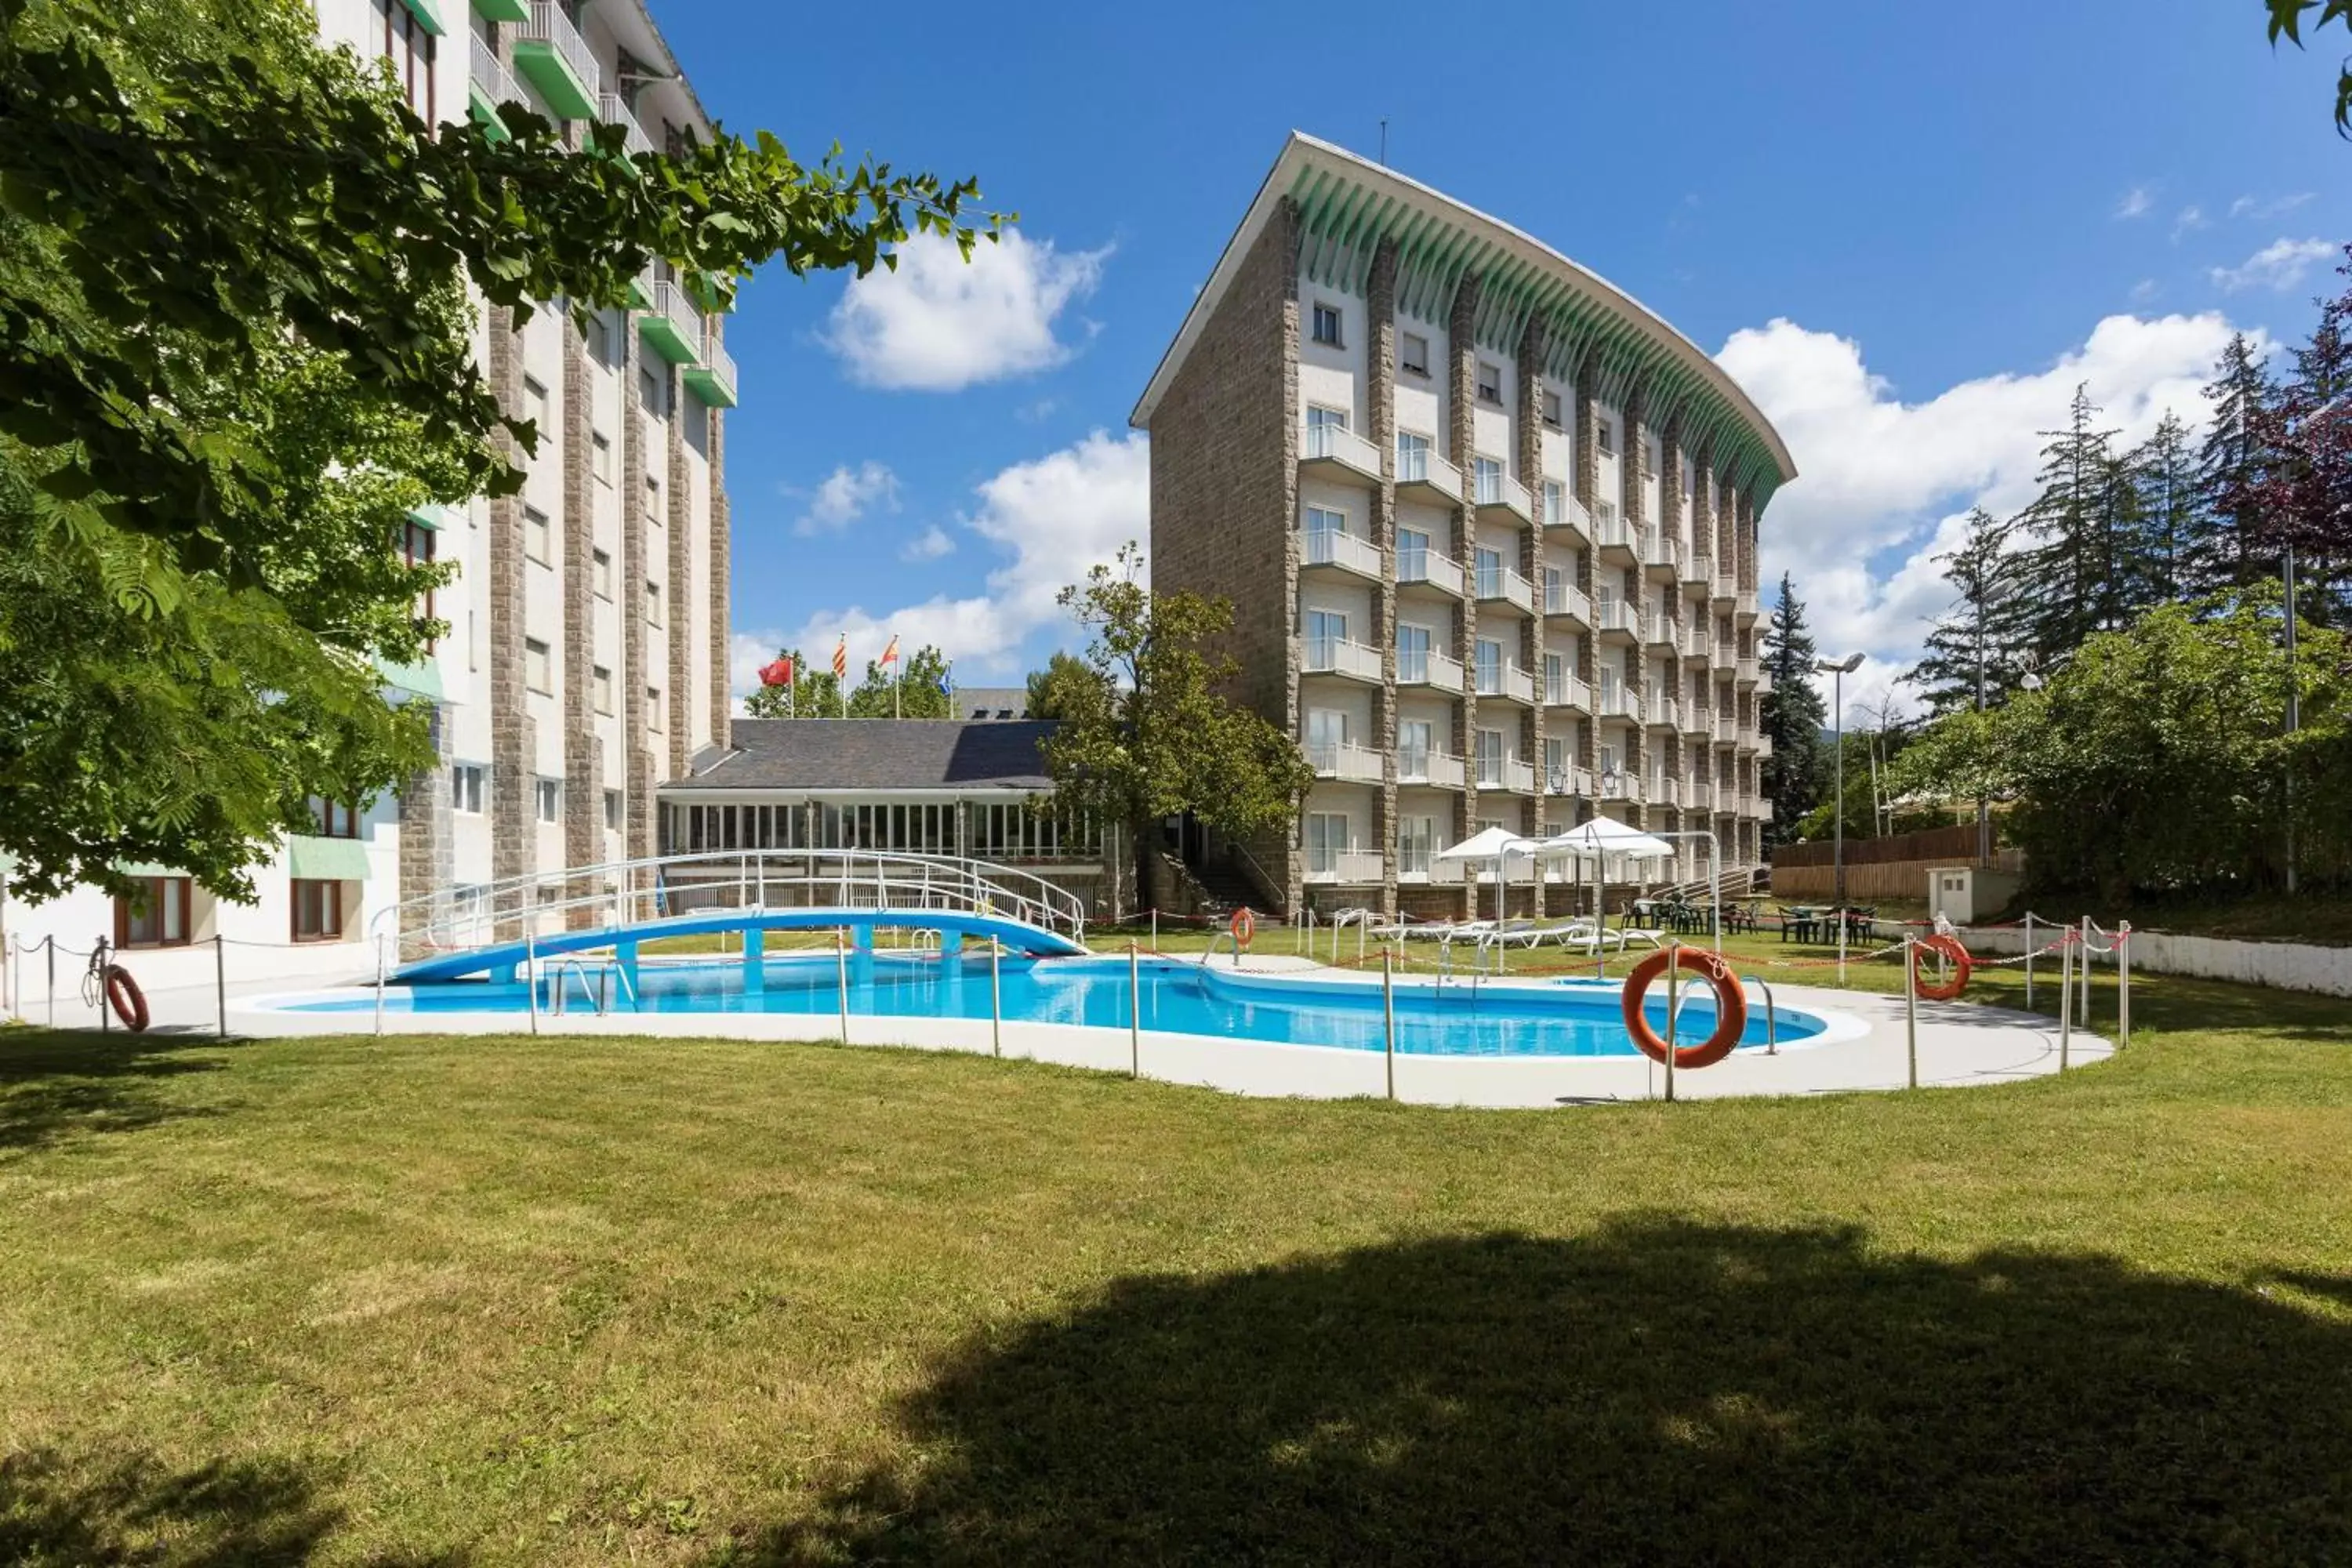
pixel 877 753
pixel 991 703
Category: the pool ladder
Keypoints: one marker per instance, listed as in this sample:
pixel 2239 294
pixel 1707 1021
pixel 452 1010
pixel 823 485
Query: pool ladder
pixel 604 970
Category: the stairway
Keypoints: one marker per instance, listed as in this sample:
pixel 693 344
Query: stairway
pixel 1224 888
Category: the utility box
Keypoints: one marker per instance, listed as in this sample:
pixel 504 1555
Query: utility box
pixel 1961 894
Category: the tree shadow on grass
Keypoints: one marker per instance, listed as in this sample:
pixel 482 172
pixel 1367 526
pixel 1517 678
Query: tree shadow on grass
pixel 55 1082
pixel 1657 1392
pixel 57 1511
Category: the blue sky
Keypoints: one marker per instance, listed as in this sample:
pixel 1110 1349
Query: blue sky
pixel 1909 229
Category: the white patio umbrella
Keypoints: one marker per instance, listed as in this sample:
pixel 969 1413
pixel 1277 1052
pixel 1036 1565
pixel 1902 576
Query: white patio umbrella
pixel 1600 839
pixel 1496 844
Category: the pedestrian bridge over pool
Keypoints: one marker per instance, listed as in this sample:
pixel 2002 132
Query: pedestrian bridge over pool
pixel 494 930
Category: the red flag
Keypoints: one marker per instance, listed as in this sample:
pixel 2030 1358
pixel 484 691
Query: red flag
pixel 778 673
pixel 840 658
pixel 890 654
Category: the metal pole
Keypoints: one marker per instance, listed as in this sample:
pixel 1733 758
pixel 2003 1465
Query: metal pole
pixel 2065 991
pixel 2029 961
pixel 220 983
pixel 1837 686
pixel 52 940
pixel 530 974
pixel 1388 1014
pixel 2123 985
pixel 98 953
pixel 996 999
pixel 2082 973
pixel 1674 992
pixel 1911 1003
pixel 1155 928
pixel 1134 1013
pixel 2293 712
pixel 841 974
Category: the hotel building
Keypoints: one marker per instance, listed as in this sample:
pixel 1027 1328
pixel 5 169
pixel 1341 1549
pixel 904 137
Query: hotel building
pixel 1488 525
pixel 586 656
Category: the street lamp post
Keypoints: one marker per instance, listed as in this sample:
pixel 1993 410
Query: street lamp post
pixel 1837 671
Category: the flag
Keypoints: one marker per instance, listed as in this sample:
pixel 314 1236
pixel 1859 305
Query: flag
pixel 890 654
pixel 840 658
pixel 777 673
pixel 947 678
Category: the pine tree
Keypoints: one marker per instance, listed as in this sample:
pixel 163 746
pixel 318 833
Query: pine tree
pixel 2307 498
pixel 1972 652
pixel 2229 473
pixel 1791 715
pixel 2078 524
pixel 2173 535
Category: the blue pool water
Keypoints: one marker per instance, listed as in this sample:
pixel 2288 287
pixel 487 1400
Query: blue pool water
pixel 1458 1019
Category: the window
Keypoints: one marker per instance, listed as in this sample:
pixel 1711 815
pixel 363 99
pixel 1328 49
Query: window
pixel 1412 651
pixel 601 572
pixel 537 667
pixel 156 915
pixel 1489 570
pixel 1327 324
pixel 1325 630
pixel 653 501
pixel 1323 426
pixel 604 683
pixel 1413 556
pixel 1490 757
pixel 467 783
pixel 600 340
pixel 318 909
pixel 1552 410
pixel 1323 526
pixel 537 538
pixel 410 49
pixel 1326 840
pixel 1555 501
pixel 534 404
pixel 332 818
pixel 550 793
pixel 1603 437
pixel 1327 732
pixel 653 604
pixel 1556 763
pixel 1412 456
pixel 1489 666
pixel 604 456
pixel 653 708
pixel 1412 354
pixel 1413 736
pixel 1555 678
pixel 1490 384
pixel 417 550
pixel 612 810
pixel 649 392
pixel 1488 472
pixel 1416 841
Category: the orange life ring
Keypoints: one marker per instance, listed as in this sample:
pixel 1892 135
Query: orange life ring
pixel 123 995
pixel 1731 1006
pixel 1949 946
pixel 1243 926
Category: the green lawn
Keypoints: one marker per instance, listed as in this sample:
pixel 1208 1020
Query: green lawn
pixel 434 1301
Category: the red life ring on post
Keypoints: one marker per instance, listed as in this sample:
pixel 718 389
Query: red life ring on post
pixel 1731 1006
pixel 122 993
pixel 1243 926
pixel 1949 946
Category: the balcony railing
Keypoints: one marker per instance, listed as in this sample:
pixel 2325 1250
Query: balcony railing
pixel 1610 532
pixel 1507 775
pixel 712 377
pixel 1330 443
pixel 1567 599
pixel 1616 702
pixel 1510 684
pixel 550 50
pixel 1662 712
pixel 1572 781
pixel 1343 865
pixel 1697 721
pixel 1427 569
pixel 490 84
pixel 1700 569
pixel 612 111
pixel 1567 691
pixel 1702 796
pixel 1657 631
pixel 1335 656
pixel 1746 671
pixel 1611 615
pixel 1620 786
pixel 671 326
pixel 1726 726
pixel 1727 585
pixel 1422 666
pixel 1744 603
pixel 1727 652
pixel 1332 547
pixel 1666 791
pixel 1694 642
pixel 1574 516
pixel 1500 585
pixel 1499 490
pixel 1425 467
pixel 1660 550
pixel 1345 761
pixel 1436 769
pixel 1763 745
pixel 1763 681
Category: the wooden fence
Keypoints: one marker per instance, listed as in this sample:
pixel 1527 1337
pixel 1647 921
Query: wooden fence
pixel 1934 845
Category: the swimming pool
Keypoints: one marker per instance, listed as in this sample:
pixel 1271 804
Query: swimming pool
pixel 1459 1018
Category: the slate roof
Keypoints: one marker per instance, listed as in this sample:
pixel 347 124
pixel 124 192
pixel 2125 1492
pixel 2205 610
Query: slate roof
pixel 991 703
pixel 821 754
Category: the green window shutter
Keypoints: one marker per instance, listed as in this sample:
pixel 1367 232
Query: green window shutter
pixel 312 859
pixel 427 16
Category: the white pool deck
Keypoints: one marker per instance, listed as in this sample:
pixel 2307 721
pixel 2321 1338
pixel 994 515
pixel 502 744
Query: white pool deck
pixel 1864 1048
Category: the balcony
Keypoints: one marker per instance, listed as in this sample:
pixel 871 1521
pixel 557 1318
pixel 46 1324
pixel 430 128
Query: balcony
pixel 1500 497
pixel 487 85
pixel 1744 605
pixel 1745 672
pixel 712 378
pixel 1331 549
pixel 1727 727
pixel 1567 601
pixel 670 324
pixel 1345 761
pixel 1616 702
pixel 1760 743
pixel 1696 645
pixel 1763 681
pixel 1726 587
pixel 1508 776
pixel 612 111
pixel 1662 713
pixel 1659 633
pixel 1575 518
pixel 1697 722
pixel 1501 585
pixel 549 53
pixel 1424 476
pixel 1699 572
pixel 1434 769
pixel 1701 794
pixel 1666 791
pixel 1427 570
pixel 1347 866
pixel 1333 655
pixel 1336 453
pixel 1662 555
pixel 1610 533
pixel 1614 617
pixel 1620 786
pixel 1567 692
pixel 1434 670
pixel 1571 781
pixel 1507 684
pixel 1726 653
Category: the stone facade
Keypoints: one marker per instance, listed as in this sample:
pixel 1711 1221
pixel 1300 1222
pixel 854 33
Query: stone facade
pixel 514 741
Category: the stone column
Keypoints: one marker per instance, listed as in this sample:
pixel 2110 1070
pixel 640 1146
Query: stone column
pixel 1527 427
pixel 1587 479
pixel 583 772
pixel 1462 438
pixel 427 848
pixel 513 743
pixel 678 588
pixel 1379 349
pixel 1670 526
pixel 1290 867
pixel 638 670
pixel 1633 456
pixel 722 562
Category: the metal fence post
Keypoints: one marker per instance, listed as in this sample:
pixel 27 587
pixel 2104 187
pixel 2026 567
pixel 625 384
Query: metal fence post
pixel 220 981
pixel 1674 995
pixel 841 976
pixel 52 941
pixel 2065 991
pixel 2029 961
pixel 2123 985
pixel 1155 928
pixel 1911 1003
pixel 530 973
pixel 1134 1013
pixel 98 967
pixel 2084 979
pixel 996 999
pixel 1388 1013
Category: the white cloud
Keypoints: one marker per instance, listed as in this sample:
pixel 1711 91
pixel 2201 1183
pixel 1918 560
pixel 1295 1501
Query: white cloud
pixel 2190 219
pixel 2137 202
pixel 2282 264
pixel 929 545
pixel 1879 475
pixel 1050 519
pixel 2275 207
pixel 847 494
pixel 938 323
pixel 2146 289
